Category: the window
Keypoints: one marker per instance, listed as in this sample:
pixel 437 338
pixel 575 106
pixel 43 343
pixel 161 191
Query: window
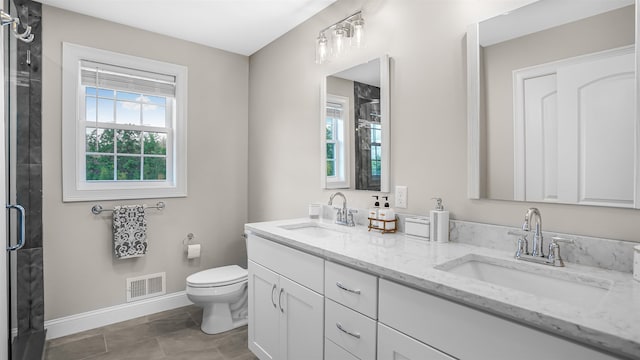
pixel 124 126
pixel 376 149
pixel 336 121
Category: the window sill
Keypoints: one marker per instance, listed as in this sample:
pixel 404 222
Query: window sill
pixel 122 194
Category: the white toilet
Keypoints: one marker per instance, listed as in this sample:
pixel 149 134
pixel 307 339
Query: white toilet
pixel 222 294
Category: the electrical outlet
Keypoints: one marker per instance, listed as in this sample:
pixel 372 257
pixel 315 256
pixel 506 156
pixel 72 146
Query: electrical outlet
pixel 401 197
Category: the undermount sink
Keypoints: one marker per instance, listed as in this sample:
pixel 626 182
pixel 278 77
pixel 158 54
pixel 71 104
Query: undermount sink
pixel 539 280
pixel 312 229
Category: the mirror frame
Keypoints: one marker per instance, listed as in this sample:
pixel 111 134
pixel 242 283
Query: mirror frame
pixel 384 123
pixel 474 106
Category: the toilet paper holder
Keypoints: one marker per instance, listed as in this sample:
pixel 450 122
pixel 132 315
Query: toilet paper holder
pixel 191 250
pixel 188 239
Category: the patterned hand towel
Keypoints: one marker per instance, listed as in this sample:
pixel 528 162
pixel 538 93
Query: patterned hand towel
pixel 129 231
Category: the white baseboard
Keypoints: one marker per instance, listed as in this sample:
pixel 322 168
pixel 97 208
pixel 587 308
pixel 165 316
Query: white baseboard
pixel 94 319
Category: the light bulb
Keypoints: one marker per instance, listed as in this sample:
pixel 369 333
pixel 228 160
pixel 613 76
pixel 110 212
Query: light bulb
pixel 358 33
pixel 340 40
pixel 321 49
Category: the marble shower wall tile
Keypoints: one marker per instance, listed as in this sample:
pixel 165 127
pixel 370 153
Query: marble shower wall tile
pixel 599 252
pixel 23 284
pixel 30 287
pixel 36 316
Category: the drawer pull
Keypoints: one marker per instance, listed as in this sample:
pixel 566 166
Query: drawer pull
pixel 273 290
pixel 355 335
pixel 280 300
pixel 339 284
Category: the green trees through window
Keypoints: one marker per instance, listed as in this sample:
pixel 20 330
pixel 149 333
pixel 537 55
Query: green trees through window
pixel 124 136
pixel 136 155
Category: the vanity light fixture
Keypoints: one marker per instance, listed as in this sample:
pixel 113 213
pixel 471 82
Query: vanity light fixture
pixel 335 39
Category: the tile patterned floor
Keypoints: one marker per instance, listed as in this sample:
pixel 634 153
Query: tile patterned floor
pixel 169 335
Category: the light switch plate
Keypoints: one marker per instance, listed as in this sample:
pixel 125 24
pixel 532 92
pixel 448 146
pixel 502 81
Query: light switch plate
pixel 401 197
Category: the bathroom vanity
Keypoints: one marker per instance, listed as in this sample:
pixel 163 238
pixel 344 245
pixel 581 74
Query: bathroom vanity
pixel 322 291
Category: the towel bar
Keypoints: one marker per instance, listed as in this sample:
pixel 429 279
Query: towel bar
pixel 97 208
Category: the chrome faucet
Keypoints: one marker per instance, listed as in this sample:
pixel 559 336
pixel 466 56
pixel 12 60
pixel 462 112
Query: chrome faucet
pixel 537 236
pixel 344 216
pixel 537 255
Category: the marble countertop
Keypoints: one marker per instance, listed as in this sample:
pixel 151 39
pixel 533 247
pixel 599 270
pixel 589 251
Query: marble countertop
pixel 612 324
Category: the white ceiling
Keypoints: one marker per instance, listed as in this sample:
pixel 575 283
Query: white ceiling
pixel 367 73
pixel 238 26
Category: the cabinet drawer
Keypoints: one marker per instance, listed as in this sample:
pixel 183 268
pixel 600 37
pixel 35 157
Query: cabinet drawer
pixel 393 345
pixel 465 333
pixel 335 352
pixel 303 268
pixel 361 341
pixel 352 288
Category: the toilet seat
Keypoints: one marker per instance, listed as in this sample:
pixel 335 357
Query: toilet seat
pixel 216 277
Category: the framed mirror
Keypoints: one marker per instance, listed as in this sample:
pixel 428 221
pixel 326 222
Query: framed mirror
pixel 354 127
pixel 552 102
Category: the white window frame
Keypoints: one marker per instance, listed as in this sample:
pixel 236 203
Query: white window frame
pixel 341 150
pixel 74 184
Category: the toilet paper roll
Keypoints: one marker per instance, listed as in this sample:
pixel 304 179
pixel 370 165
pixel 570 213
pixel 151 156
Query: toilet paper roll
pixel 193 251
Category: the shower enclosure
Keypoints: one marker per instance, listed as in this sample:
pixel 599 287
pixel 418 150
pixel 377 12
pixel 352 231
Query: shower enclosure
pixel 23 328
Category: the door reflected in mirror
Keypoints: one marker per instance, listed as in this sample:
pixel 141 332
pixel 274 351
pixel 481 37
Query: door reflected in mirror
pixel 557 103
pixel 355 123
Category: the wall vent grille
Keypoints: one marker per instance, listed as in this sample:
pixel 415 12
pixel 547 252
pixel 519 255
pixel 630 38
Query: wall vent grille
pixel 146 286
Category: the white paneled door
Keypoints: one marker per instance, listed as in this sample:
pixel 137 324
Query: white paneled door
pixel 541 146
pixel 596 105
pixel 575 130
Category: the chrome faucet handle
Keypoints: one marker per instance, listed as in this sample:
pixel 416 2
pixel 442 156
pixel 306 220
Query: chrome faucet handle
pixel 522 247
pixel 554 250
pixel 339 214
pixel 350 221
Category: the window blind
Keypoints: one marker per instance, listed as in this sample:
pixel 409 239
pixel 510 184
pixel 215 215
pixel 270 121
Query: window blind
pixel 334 110
pixel 126 79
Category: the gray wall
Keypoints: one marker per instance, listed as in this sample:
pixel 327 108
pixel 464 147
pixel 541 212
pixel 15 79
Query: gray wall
pixel 426 40
pixel 81 274
pixel 602 32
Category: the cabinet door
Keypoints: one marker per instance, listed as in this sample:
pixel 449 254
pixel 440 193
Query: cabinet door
pixel 393 345
pixel 301 322
pixel 264 314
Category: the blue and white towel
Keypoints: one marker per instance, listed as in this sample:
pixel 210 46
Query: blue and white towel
pixel 129 231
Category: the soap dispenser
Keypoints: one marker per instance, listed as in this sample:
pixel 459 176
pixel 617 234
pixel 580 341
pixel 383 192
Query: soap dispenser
pixel 439 220
pixel 373 212
pixel 387 213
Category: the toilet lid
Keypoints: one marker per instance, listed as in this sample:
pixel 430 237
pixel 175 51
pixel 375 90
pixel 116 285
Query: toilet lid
pixel 220 276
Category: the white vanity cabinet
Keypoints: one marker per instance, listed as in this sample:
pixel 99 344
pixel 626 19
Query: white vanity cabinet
pixel 466 333
pixel 303 307
pixel 286 302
